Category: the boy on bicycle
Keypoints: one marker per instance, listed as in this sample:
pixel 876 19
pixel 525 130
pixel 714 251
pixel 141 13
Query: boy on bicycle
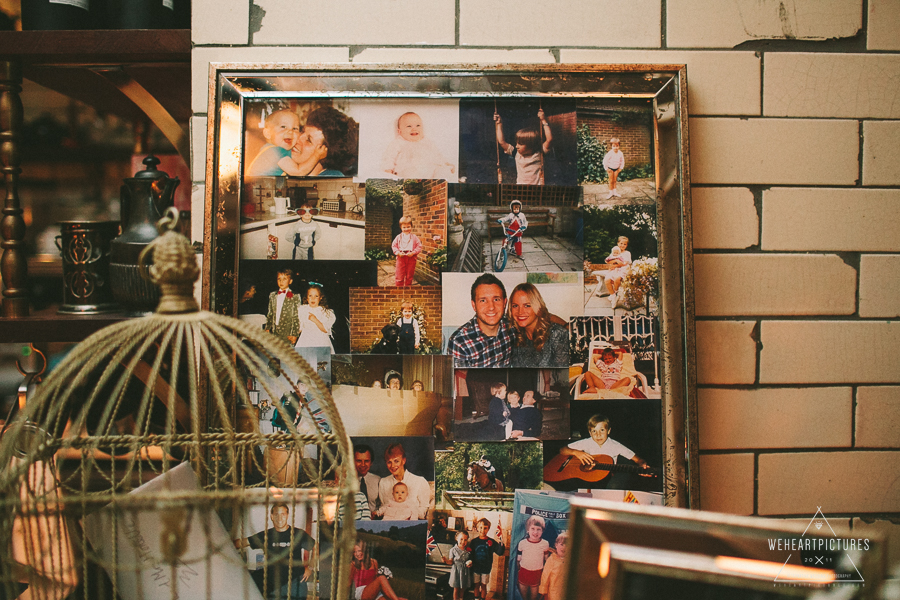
pixel 516 221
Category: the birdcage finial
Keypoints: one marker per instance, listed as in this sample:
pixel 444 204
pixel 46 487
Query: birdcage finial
pixel 174 267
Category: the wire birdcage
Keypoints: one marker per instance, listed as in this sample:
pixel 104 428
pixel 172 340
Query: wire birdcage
pixel 139 470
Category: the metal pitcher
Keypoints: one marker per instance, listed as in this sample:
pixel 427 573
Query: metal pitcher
pixel 145 197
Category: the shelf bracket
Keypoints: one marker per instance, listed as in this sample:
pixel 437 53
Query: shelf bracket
pixel 151 107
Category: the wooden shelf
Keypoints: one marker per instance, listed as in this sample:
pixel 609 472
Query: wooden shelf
pixel 48 326
pixel 65 61
pixel 97 47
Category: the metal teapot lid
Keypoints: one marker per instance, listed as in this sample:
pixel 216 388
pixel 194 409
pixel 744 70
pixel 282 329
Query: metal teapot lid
pixel 151 172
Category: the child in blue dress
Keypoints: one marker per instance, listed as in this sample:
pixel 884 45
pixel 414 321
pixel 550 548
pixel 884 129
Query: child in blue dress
pixel 460 569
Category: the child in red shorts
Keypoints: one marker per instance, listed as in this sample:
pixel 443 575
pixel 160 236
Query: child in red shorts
pixel 532 552
pixel 406 248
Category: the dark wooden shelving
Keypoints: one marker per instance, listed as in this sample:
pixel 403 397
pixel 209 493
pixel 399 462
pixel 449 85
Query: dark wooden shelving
pixel 67 62
pixel 135 74
pixel 48 326
pixel 97 47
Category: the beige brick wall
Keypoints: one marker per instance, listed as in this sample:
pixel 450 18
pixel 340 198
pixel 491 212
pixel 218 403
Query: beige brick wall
pixel 795 170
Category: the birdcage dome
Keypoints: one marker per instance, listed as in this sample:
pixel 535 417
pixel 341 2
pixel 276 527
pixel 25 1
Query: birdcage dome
pixel 140 470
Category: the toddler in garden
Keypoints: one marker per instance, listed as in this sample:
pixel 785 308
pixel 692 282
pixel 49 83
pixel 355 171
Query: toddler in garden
pixel 532 552
pixel 409 329
pixel 399 509
pixel 406 248
pixel 304 234
pixel 613 162
pixel 410 155
pixel 610 368
pixel 517 222
pixel 460 574
pixel 529 149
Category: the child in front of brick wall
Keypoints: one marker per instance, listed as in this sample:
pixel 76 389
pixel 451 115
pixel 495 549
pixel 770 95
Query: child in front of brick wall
pixel 411 156
pixel 409 329
pixel 406 248
pixel 529 149
pixel 613 162
pixel 304 234
pixel 516 221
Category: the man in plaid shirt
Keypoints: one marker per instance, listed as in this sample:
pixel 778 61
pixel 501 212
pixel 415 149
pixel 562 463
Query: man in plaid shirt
pixel 486 340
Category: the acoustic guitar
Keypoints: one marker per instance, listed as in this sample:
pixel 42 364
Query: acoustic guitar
pixel 562 467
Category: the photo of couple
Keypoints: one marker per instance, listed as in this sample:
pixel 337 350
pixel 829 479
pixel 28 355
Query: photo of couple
pixel 527 328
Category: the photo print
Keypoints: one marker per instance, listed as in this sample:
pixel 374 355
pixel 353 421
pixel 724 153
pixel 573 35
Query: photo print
pixel 396 475
pixel 395 320
pixel 616 153
pixel 407 139
pixel 543 226
pixel 389 560
pixel 278 540
pixel 511 404
pixel 496 320
pixel 407 230
pixel 621 259
pixel 303 219
pixel 523 142
pixel 485 467
pixel 484 536
pixel 615 357
pixel 617 445
pixel 538 546
pixel 316 294
pixel 393 395
pixel 300 138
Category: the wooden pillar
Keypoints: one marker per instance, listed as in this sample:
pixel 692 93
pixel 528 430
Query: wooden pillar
pixel 13 268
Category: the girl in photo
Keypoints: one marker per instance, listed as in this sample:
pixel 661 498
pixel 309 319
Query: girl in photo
pixel 368 580
pixel 529 150
pixel 316 319
pixel 461 564
pixel 618 267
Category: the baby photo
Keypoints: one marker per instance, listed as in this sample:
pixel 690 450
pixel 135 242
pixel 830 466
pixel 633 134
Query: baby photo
pixel 407 230
pixel 393 395
pixel 388 560
pixel 615 358
pixel 303 219
pixel 518 228
pixel 485 467
pixel 617 445
pixel 511 404
pixel 469 553
pixel 509 319
pixel 403 139
pixel 523 142
pixel 300 138
pixel 396 476
pixel 615 141
pixel 396 320
pixel 305 303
